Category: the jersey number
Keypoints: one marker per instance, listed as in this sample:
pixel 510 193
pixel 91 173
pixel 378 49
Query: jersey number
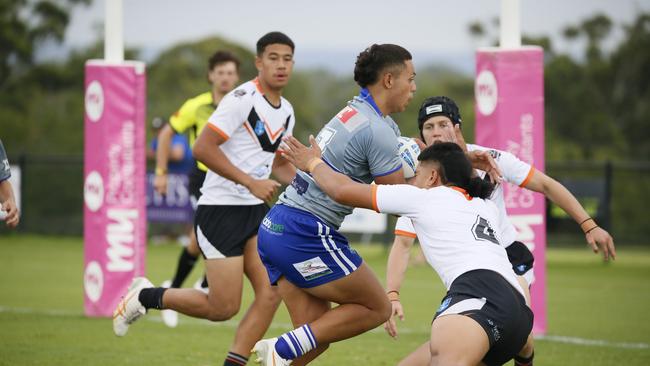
pixel 324 137
pixel 483 231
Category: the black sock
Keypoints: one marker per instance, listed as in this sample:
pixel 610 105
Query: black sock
pixel 524 361
pixel 151 298
pixel 204 284
pixel 234 359
pixel 185 264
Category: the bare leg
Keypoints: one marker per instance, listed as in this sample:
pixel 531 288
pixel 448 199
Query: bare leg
pixel 226 275
pixel 529 347
pixel 260 313
pixel 420 357
pixel 457 340
pixel 303 308
pixel 363 306
pixel 193 246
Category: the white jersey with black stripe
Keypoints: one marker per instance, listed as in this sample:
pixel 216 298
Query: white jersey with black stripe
pixel 253 129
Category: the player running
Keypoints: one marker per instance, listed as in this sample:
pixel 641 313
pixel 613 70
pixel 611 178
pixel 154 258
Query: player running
pixel 484 317
pixel 239 148
pixel 223 75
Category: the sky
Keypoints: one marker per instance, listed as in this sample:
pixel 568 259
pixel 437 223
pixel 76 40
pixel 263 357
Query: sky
pixel 329 34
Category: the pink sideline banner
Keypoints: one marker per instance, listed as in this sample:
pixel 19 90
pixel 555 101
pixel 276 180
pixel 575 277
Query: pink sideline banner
pixel 114 182
pixel 509 91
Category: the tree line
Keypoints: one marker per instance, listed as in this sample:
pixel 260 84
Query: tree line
pixel 597 102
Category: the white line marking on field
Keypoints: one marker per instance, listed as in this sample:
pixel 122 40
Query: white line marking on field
pixel 287 326
pixel 592 342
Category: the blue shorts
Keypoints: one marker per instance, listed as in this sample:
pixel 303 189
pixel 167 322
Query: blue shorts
pixel 303 248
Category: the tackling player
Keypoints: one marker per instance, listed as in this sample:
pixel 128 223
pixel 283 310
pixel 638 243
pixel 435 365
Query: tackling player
pixel 439 120
pixel 484 317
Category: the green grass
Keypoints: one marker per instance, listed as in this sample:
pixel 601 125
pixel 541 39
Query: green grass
pixel 42 321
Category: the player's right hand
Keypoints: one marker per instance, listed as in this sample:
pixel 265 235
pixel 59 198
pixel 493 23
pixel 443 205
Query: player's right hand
pixel 298 154
pixel 484 161
pixel 160 183
pixel 263 189
pixel 12 213
pixel 599 237
pixel 391 325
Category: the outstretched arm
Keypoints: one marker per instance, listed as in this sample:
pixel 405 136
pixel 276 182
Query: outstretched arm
pixel 338 186
pixel 558 194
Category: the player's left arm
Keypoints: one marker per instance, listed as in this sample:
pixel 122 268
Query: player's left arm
pixel 282 169
pixel 558 194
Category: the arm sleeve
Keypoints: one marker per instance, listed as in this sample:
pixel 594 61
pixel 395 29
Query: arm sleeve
pixel 230 114
pixel 514 170
pixel 404 227
pixel 382 152
pixel 184 118
pixel 397 199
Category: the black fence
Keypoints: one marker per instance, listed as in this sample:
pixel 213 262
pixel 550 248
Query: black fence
pixel 616 193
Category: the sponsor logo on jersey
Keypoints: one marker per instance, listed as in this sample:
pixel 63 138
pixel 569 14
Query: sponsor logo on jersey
pixel 495 330
pixel 347 113
pixel 351 118
pixel 239 93
pixel 259 128
pixel 299 184
pixel 312 268
pixel 495 154
pixel 272 227
pixel 445 304
pixel 521 269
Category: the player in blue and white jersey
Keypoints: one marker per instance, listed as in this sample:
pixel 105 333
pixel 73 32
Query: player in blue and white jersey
pixel 298 242
pixel 484 318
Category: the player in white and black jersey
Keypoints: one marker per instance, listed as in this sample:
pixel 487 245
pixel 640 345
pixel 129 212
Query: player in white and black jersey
pixel 484 318
pixel 439 120
pixel 239 148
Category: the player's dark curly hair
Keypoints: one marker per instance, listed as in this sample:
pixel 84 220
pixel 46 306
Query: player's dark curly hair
pixel 455 169
pixel 221 57
pixel 376 59
pixel 273 38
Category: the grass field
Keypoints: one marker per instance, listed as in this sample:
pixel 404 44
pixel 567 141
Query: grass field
pixel 598 313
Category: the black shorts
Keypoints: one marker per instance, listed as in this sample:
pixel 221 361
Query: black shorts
pixel 196 176
pixel 222 231
pixel 520 257
pixel 490 300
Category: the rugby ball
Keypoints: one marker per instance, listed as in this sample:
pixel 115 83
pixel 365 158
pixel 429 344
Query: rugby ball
pixel 408 152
